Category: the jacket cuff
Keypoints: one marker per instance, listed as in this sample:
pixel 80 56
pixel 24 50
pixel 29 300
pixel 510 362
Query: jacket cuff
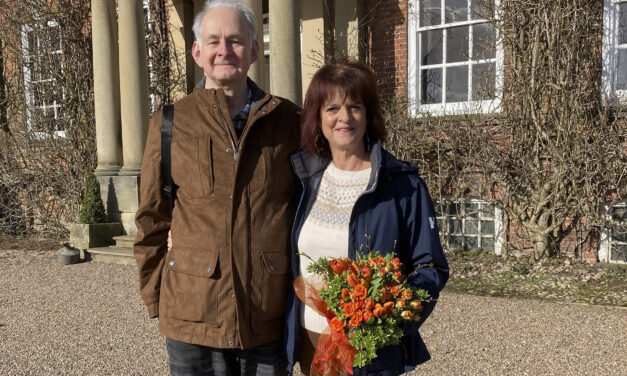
pixel 153 310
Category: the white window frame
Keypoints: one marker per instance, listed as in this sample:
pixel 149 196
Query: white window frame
pixel 605 243
pixel 498 221
pixel 28 80
pixel 413 68
pixel 610 53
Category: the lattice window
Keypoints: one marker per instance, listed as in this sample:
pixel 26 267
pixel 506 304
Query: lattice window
pixel 469 224
pixel 455 57
pixel 615 50
pixel 43 63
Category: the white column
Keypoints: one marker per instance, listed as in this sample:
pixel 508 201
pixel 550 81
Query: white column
pixel 133 84
pixel 106 89
pixel 285 72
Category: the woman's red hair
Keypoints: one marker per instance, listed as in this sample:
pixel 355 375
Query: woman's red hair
pixel 354 80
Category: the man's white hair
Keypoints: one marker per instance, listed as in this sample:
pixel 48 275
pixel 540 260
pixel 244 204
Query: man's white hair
pixel 238 5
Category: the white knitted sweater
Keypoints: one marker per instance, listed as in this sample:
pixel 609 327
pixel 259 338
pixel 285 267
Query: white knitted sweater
pixel 325 231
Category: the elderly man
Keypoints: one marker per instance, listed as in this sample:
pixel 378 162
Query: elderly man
pixel 219 292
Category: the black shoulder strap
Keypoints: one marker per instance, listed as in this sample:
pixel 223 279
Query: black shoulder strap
pixel 169 188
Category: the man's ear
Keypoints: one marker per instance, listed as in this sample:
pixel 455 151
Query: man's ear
pixel 254 53
pixel 196 53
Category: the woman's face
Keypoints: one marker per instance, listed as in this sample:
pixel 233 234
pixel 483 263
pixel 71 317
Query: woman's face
pixel 343 123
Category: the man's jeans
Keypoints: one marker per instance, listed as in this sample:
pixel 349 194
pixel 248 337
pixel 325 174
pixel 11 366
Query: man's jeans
pixel 195 360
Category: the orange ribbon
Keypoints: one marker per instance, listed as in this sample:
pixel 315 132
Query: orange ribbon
pixel 333 355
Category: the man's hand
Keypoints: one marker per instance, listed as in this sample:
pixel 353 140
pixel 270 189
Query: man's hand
pixel 169 240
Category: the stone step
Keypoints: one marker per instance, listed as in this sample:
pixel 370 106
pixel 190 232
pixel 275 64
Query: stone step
pixel 124 241
pixel 112 255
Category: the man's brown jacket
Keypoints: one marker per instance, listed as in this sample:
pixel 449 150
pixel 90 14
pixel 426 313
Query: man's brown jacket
pixel 223 283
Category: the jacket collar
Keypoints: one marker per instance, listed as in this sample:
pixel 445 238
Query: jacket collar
pixel 256 91
pixel 382 163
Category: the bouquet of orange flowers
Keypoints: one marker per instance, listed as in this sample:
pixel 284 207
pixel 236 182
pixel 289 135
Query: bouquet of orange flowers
pixel 365 302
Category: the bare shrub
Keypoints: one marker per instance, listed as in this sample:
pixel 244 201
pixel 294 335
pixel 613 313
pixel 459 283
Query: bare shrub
pixel 47 141
pixel 554 155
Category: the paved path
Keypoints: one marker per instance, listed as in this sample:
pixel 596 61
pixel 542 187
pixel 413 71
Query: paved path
pixel 88 319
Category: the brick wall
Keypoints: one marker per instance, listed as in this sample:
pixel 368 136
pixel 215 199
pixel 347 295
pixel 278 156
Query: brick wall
pixel 387 39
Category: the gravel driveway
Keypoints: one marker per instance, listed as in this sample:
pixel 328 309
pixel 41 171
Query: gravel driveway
pixel 88 319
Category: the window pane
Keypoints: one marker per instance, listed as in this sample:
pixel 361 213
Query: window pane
pixel 471 227
pixel 487 244
pixel 453 208
pixel 621 70
pixel 483 76
pixel 430 13
pixel 471 242
pixel 456 11
pixel 619 236
pixel 432 86
pixel 481 9
pixel 457 84
pixel 487 227
pixel 50 39
pixel 619 252
pixel 483 42
pixel 437 208
pixel 622 23
pixel 431 52
pixel 454 226
pixel 455 241
pixel 619 213
pixel 471 209
pixel 457 44
pixel 487 211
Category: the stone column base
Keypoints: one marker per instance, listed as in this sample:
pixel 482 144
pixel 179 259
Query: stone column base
pixel 120 195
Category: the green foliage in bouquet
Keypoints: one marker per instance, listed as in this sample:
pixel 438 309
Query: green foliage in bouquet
pixel 370 298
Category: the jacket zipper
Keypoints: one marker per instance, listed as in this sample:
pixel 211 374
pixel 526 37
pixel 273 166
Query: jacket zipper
pixel 228 131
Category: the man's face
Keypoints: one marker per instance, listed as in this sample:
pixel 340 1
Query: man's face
pixel 225 51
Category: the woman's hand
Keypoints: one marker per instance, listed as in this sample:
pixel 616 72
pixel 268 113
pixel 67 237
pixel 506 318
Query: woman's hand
pixel 169 240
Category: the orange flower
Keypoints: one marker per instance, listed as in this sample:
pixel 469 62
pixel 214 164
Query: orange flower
pixel 338 266
pixel 368 317
pixel 381 272
pixel 366 272
pixel 363 281
pixel 349 309
pixel 385 294
pixel 369 304
pixel 394 290
pixel 406 294
pixel 398 276
pixel 354 267
pixel 396 263
pixel 378 310
pixel 337 324
pixel 407 315
pixel 345 293
pixel 388 306
pixel 356 320
pixel 360 291
pixel 416 304
pixel 400 303
pixel 351 278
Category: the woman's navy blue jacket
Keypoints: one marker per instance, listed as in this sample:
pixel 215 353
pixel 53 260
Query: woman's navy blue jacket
pixel 395 206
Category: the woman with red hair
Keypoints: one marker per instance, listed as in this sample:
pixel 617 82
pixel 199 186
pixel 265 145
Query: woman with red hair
pixel 352 187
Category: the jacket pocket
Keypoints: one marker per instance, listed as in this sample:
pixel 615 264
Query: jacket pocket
pixel 272 269
pixel 190 286
pixel 192 166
